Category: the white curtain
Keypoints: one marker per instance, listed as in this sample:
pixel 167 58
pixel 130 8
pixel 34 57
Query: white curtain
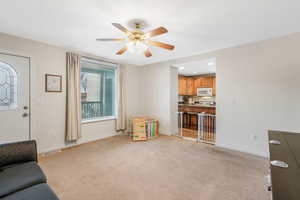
pixel 73 114
pixel 121 118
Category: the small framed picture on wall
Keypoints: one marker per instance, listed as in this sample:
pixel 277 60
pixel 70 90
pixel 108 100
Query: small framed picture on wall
pixel 53 83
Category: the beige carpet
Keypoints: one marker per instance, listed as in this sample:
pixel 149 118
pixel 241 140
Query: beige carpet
pixel 161 169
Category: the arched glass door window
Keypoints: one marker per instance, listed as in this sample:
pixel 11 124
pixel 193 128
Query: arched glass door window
pixel 8 87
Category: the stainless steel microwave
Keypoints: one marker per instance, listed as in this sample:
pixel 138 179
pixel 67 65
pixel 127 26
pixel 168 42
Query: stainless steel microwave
pixel 204 92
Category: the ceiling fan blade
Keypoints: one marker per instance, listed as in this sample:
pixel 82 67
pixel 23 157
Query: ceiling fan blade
pixel 122 28
pixel 161 44
pixel 121 51
pixel 110 39
pixel 155 32
pixel 147 53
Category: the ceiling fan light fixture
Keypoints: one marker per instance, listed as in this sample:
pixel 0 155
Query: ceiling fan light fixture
pixel 136 47
pixel 137 41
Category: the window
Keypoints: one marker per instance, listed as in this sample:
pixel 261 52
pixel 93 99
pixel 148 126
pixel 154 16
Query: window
pixel 97 86
pixel 8 87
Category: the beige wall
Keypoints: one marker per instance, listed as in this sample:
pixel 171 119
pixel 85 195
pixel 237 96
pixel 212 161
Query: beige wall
pixel 257 89
pixel 159 95
pixel 48 109
pixel 155 95
pixel 133 91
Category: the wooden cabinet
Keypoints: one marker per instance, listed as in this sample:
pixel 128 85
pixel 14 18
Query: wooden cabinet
pixel 189 85
pixel 182 85
pixel 186 85
pixel 197 84
pixel 205 82
pixel 197 109
pixel 190 90
pixel 214 86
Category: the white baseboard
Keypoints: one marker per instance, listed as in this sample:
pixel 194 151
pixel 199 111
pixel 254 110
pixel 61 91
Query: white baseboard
pixel 66 146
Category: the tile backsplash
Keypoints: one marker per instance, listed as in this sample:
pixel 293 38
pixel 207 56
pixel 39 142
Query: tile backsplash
pixel 187 99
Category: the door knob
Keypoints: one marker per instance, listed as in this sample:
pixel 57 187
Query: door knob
pixel 25 107
pixel 25 115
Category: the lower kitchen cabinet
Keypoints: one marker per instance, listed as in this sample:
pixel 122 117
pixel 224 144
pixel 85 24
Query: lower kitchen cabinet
pixel 198 109
pixel 193 118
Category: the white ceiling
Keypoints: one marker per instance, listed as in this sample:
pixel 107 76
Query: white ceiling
pixel 194 26
pixel 193 68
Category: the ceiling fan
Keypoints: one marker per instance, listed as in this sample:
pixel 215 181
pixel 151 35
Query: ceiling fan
pixel 137 41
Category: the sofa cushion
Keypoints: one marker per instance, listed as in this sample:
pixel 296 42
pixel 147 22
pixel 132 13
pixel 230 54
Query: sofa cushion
pixel 36 192
pixel 20 176
pixel 18 152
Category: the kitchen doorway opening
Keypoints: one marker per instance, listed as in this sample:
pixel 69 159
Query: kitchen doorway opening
pixel 196 116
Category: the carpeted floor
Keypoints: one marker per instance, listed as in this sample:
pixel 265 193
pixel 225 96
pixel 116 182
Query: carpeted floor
pixel 161 169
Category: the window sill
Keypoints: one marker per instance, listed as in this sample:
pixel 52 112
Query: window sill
pixel 98 120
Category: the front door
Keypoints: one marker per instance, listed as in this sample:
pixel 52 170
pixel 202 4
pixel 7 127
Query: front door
pixel 14 98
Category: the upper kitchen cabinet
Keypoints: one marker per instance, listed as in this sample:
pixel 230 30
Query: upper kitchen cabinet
pixel 186 85
pixel 205 82
pixel 214 86
pixel 190 90
pixel 182 85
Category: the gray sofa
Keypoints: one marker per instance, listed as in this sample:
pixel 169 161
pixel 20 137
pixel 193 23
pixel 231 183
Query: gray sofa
pixel 20 176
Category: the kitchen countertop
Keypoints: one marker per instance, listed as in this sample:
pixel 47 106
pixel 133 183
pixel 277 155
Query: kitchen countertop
pixel 198 105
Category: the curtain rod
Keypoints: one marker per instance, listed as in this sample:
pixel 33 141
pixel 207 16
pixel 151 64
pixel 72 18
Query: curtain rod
pixel 99 60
